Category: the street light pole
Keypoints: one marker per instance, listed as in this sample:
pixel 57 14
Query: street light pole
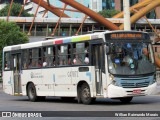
pixel 126 9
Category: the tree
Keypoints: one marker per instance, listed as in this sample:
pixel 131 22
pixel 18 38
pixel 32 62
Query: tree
pixel 16 7
pixel 108 13
pixel 10 34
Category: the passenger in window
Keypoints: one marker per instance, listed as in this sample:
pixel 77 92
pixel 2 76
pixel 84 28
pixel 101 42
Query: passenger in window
pixel 86 50
pixel 49 61
pixel 39 63
pixel 33 63
pixel 69 61
pixel 44 64
pixel 77 60
pixel 6 66
pixel 54 63
pixel 62 62
pixel 86 60
pixel 25 65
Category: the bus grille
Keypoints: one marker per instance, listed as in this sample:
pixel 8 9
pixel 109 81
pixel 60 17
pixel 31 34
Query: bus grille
pixel 135 85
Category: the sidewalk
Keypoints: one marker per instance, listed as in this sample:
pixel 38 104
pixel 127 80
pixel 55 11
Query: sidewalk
pixel 158 87
pixel 0 86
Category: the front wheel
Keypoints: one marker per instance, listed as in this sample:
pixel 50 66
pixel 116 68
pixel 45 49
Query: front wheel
pixel 86 95
pixel 126 99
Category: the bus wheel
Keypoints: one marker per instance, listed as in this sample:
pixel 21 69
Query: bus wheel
pixel 86 95
pixel 126 99
pixel 31 90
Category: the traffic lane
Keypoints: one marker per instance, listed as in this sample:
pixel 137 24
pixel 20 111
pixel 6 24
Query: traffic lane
pixel 21 103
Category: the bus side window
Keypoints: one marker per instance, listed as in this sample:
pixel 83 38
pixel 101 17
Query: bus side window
pixel 7 61
pixel 48 56
pixel 86 52
pixel 81 53
pixel 63 54
pixel 35 58
pixel 24 59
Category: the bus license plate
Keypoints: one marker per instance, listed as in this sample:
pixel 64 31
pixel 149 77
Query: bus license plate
pixel 137 91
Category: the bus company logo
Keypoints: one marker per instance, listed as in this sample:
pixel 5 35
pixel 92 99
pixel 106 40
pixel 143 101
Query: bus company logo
pixel 36 75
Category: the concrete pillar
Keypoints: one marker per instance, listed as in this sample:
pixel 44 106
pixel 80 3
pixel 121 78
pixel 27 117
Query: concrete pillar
pixel 59 30
pixel 127 22
pixel 23 27
pixel 70 30
pixel 35 30
pixel 47 30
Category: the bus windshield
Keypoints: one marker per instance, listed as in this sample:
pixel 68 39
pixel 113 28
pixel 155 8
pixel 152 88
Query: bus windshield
pixel 130 59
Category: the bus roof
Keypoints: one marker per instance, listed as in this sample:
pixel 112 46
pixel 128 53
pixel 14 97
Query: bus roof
pixel 54 41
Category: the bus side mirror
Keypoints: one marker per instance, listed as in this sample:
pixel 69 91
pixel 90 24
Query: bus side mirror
pixel 107 50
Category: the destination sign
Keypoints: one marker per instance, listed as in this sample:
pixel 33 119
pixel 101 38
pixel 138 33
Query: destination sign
pixel 127 36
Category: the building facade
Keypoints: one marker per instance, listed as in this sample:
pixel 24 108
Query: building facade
pixel 152 15
pixel 95 5
pixel 98 5
pixel 60 4
pixel 31 8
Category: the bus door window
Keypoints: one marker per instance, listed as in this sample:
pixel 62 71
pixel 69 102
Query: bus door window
pixel 16 64
pixel 98 62
pixel 7 61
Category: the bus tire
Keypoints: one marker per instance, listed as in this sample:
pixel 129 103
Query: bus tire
pixel 31 91
pixel 126 100
pixel 86 94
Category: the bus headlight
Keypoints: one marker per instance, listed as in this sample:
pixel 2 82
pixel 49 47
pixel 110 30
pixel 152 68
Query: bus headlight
pixel 111 77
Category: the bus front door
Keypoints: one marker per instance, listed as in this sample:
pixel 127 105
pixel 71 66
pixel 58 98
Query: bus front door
pixel 17 73
pixel 98 63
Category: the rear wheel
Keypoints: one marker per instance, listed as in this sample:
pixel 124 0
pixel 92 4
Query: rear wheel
pixel 31 91
pixel 126 99
pixel 86 95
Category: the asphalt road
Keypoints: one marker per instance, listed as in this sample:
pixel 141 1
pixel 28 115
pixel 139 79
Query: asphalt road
pixel 21 103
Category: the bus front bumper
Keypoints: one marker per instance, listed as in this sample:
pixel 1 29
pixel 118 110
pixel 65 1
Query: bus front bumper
pixel 116 92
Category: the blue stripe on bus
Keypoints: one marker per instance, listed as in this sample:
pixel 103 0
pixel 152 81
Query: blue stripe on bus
pixel 66 40
pixel 53 77
pixel 9 82
pixel 89 75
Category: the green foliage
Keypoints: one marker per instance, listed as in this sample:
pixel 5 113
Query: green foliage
pixel 15 10
pixel 108 13
pixel 10 34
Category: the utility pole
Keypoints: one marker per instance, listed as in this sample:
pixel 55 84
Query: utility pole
pixel 126 9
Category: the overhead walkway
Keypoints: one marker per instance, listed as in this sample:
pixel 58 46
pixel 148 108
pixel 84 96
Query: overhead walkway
pixel 69 26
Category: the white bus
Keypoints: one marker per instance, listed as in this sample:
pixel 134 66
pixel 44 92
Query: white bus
pixel 109 64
